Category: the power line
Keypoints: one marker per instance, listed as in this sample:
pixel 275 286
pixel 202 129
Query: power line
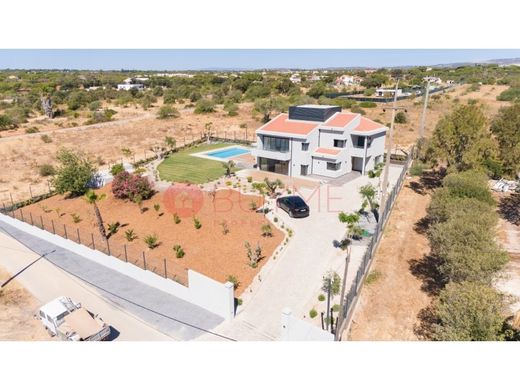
pixel 120 297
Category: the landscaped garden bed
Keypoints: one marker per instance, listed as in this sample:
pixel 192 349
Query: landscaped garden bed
pixel 212 241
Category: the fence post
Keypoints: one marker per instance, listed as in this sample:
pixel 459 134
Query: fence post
pixel 93 245
pixel 65 230
pixel 30 191
pixel 41 221
pixel 32 222
pixel 165 270
pixel 144 260
pixel 108 246
pixel 79 238
pixel 53 229
pixel 21 214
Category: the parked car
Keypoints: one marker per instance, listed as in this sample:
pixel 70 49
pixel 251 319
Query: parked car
pixel 66 319
pixel 294 205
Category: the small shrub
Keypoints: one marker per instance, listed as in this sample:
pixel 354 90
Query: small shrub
pixel 250 179
pixel 116 169
pixel 417 168
pixel 225 227
pixel 32 130
pixel 313 313
pixel 46 139
pixel 179 252
pixel 47 170
pixel 267 231
pixel 289 232
pixel 113 228
pixel 228 183
pixel 335 308
pixel 373 277
pixel 156 207
pixel 321 297
pixel 275 219
pixel 130 235
pixel 176 219
pixel 367 104
pixel 196 223
pixel 239 301
pixel 253 205
pixel 151 241
pixel 254 255
pixel 131 186
pixel 400 117
pixel 233 279
pixel 75 218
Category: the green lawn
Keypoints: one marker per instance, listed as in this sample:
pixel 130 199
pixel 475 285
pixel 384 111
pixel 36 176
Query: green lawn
pixel 181 167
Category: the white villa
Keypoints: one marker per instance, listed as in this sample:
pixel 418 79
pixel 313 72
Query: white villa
pixel 319 140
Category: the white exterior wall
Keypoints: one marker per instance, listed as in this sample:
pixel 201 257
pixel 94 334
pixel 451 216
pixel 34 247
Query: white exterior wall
pixel 319 167
pixel 299 157
pixel 202 291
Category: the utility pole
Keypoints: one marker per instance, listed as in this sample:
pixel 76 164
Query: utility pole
pixel 341 314
pixel 423 115
pixel 389 152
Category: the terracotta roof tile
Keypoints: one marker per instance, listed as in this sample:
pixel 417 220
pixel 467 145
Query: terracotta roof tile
pixel 281 124
pixel 334 152
pixel 341 119
pixel 366 124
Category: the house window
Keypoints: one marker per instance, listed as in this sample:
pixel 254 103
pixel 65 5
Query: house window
pixel 276 144
pixel 304 170
pixel 360 142
pixel 305 146
pixel 333 166
pixel 339 143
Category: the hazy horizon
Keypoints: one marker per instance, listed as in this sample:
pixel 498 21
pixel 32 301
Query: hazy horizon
pixel 238 59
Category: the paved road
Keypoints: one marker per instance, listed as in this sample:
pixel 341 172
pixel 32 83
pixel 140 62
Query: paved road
pixel 294 280
pixel 113 293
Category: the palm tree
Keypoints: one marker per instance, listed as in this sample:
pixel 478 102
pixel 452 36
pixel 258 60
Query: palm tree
pixel 368 193
pixel 228 166
pixel 92 198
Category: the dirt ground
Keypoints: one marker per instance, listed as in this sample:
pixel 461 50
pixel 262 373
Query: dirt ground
pixel 389 306
pixel 207 250
pixel 22 155
pixel 405 134
pixel 17 308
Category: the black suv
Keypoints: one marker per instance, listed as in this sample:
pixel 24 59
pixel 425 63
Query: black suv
pixel 294 206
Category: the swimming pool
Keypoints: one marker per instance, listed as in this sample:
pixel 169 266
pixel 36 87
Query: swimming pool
pixel 227 153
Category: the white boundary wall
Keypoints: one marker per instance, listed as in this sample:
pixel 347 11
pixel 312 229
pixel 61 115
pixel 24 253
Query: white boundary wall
pixel 294 329
pixel 205 292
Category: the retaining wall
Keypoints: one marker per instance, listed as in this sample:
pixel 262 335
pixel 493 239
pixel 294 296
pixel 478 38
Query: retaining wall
pixel 202 291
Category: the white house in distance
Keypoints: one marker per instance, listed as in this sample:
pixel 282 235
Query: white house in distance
pixel 128 87
pixel 319 140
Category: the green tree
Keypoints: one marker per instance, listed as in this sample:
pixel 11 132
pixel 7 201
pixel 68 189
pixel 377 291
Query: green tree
pixel 266 107
pixel 92 198
pixel 317 90
pixel 368 194
pixel 506 128
pixel 204 106
pixel 331 283
pixel 228 166
pixel 167 112
pixel 469 311
pixel 462 138
pixel 73 174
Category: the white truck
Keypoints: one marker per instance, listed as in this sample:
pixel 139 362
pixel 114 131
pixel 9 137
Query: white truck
pixel 67 319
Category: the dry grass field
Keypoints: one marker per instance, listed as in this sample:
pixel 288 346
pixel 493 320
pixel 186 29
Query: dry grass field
pixel 22 154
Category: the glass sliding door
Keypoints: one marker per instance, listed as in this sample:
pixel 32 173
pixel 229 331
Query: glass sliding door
pixel 276 166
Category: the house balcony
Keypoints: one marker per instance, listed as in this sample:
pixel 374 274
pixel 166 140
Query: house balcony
pixel 272 154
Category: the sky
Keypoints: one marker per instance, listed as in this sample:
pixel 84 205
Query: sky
pixel 201 59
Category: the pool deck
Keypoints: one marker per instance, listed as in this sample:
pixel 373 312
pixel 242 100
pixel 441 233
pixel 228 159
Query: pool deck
pixel 207 156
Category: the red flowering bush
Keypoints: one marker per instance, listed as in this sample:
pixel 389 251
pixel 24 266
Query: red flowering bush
pixel 129 186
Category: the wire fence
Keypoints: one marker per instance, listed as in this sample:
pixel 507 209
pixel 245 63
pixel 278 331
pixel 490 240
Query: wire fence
pixel 350 299
pixel 130 253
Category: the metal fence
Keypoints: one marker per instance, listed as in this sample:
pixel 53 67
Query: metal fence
pixel 351 297
pixel 130 253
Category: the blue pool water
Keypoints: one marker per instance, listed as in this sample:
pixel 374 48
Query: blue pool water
pixel 231 152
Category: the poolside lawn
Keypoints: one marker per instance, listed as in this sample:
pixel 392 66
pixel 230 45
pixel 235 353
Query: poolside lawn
pixel 181 167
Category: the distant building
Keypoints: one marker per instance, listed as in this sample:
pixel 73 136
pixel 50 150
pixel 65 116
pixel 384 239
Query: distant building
pixel 348 80
pixel 295 78
pixel 380 92
pixel 433 79
pixel 128 87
